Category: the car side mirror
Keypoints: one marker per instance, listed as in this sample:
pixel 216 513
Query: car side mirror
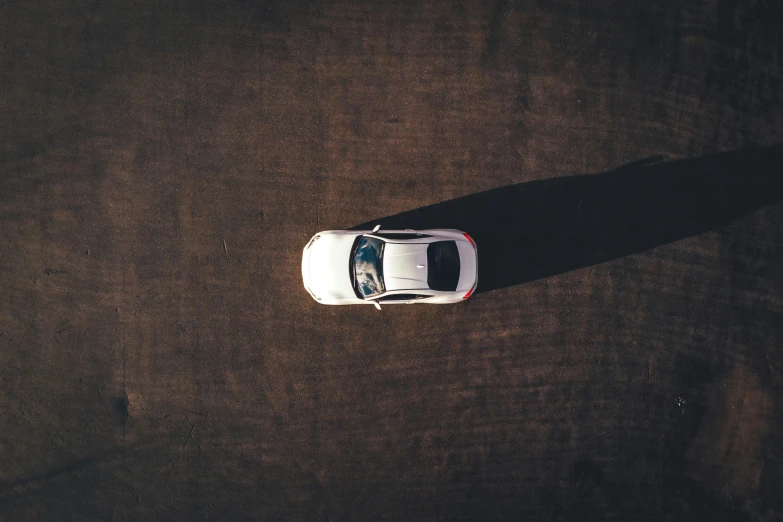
pixel 376 229
pixel 377 304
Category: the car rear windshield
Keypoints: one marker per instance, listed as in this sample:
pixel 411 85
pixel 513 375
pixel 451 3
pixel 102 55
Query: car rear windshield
pixel 443 266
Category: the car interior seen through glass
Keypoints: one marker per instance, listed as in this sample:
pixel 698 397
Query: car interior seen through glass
pixel 398 297
pixel 443 266
pixel 367 267
pixel 400 236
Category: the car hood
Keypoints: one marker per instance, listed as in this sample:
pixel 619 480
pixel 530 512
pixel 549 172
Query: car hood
pixel 327 263
pixel 405 266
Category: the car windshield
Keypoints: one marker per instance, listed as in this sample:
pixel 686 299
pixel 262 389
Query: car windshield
pixel 443 266
pixel 367 267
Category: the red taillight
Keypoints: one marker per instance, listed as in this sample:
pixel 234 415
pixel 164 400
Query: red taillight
pixel 470 292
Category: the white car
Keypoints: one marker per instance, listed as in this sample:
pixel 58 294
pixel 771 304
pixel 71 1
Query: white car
pixel 342 267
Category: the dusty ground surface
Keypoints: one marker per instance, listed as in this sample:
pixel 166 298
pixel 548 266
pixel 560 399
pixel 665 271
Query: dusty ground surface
pixel 162 166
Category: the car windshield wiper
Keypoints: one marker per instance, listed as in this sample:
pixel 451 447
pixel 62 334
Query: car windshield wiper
pixel 352 266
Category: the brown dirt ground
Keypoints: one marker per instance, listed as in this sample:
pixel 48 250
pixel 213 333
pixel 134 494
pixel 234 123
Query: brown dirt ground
pixel 162 164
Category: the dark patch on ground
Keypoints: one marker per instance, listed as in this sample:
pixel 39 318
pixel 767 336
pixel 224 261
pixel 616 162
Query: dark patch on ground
pixel 121 409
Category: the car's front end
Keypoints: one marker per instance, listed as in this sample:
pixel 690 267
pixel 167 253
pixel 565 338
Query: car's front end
pixel 325 262
pixel 306 265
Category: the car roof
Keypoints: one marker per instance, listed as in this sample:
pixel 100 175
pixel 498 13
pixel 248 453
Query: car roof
pixel 405 265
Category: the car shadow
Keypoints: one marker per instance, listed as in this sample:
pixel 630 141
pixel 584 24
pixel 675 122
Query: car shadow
pixel 542 228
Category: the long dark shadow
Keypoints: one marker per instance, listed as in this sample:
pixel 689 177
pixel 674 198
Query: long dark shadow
pixel 543 228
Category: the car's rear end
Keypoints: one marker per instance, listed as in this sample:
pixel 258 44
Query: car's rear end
pixel 468 255
pixel 452 262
